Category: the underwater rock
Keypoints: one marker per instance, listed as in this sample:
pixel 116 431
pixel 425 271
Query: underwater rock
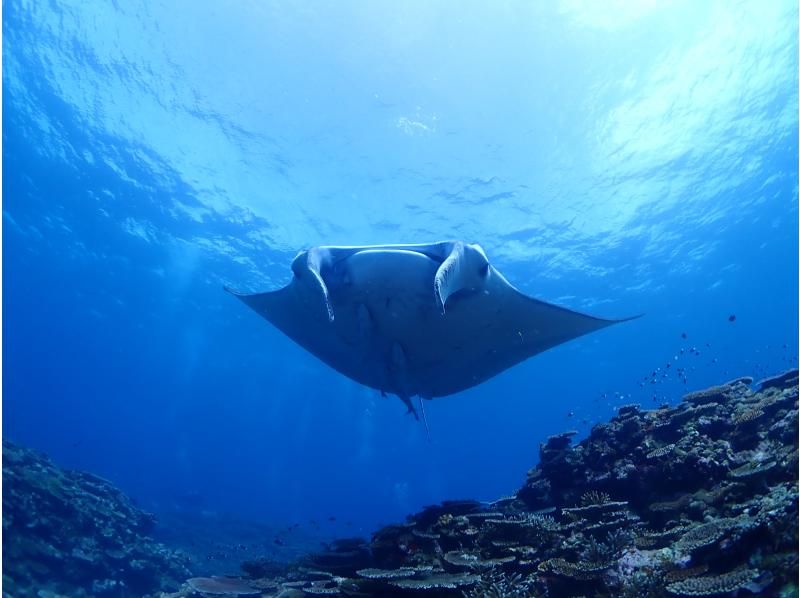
pixel 691 500
pixel 70 533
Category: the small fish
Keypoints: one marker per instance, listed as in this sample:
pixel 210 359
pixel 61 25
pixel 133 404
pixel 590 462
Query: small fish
pixel 683 335
pixel 279 542
pixel 732 318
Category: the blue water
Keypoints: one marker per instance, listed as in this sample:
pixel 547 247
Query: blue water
pixel 640 159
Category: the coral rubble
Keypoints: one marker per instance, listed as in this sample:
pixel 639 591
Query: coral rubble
pixel 69 533
pixel 700 499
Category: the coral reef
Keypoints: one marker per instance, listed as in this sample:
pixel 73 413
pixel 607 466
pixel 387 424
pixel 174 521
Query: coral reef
pixel 700 499
pixel 69 533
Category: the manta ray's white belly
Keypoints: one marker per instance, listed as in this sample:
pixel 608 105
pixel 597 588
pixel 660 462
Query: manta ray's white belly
pixel 395 283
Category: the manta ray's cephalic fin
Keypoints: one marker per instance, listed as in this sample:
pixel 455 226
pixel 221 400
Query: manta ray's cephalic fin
pixel 465 267
pixel 311 262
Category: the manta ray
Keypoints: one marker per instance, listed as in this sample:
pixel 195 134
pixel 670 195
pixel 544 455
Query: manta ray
pixel 425 320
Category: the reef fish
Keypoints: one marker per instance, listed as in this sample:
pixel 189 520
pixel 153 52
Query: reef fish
pixel 423 320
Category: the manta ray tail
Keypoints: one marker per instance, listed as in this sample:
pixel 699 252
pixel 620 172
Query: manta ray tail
pixel 424 419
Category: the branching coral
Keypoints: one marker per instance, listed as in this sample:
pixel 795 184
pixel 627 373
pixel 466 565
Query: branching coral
pixel 500 585
pixel 594 497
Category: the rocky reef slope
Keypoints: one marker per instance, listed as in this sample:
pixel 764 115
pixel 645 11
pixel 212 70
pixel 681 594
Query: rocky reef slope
pixel 700 499
pixel 69 533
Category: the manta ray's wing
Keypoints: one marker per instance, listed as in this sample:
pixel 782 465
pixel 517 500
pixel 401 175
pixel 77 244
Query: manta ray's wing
pixel 299 312
pixel 483 333
pixel 541 325
pixel 295 310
